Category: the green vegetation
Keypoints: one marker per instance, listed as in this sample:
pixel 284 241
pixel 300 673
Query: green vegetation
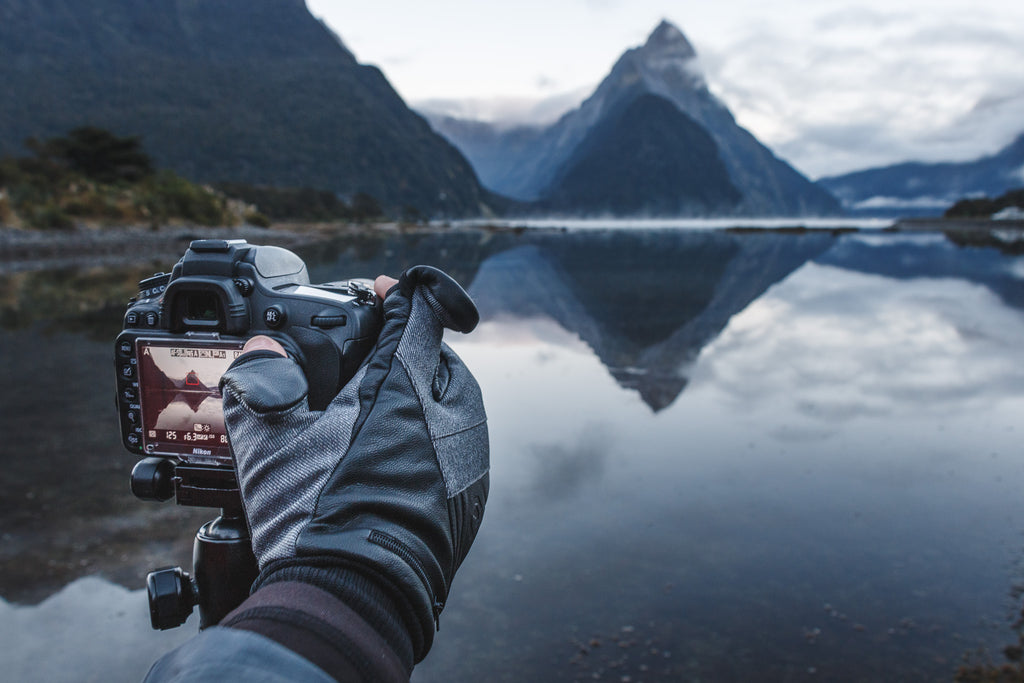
pixel 303 203
pixel 94 176
pixel 983 207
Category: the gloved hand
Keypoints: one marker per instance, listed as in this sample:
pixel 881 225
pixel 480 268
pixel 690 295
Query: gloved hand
pixel 389 482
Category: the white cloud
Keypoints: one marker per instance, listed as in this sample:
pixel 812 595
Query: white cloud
pixel 505 112
pixel 867 88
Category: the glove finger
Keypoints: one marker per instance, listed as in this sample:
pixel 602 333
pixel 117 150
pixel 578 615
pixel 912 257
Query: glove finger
pixel 264 405
pixel 447 299
pixel 423 302
pixel 265 382
pixel 449 395
pixel 269 424
pixel 436 301
pixel 454 410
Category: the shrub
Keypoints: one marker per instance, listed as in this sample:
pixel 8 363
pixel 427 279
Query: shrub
pixel 256 218
pixel 289 203
pixel 48 216
pixel 168 195
pixel 6 214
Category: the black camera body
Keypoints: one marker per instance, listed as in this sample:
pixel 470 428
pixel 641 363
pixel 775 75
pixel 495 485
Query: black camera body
pixel 180 335
pixel 185 328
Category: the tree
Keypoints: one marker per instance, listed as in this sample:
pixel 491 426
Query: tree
pixel 97 154
pixel 365 207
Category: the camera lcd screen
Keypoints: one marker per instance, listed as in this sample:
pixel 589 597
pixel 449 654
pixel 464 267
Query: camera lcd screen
pixel 182 414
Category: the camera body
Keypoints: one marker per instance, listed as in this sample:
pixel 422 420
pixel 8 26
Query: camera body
pixel 185 328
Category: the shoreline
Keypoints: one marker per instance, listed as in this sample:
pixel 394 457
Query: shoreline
pixel 88 245
pixel 27 250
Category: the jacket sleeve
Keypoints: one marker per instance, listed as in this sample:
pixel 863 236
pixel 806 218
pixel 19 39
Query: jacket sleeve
pixel 286 631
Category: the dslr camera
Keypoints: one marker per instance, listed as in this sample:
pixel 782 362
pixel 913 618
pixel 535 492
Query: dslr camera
pixel 185 328
pixel 181 332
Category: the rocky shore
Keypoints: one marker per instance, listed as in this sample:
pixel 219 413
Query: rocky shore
pixel 28 250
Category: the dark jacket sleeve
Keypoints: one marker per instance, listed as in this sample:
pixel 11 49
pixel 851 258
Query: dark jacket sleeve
pixel 286 631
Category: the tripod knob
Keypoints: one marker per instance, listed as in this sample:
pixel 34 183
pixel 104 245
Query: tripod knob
pixel 171 597
pixel 153 479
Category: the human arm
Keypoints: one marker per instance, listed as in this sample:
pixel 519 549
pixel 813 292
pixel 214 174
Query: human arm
pixel 373 502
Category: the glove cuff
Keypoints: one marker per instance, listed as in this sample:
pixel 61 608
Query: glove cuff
pixel 362 594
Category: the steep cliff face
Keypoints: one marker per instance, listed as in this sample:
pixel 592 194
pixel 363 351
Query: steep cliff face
pixel 256 91
pixel 527 163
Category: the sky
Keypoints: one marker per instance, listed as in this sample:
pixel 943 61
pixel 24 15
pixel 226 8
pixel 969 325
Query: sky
pixel 831 85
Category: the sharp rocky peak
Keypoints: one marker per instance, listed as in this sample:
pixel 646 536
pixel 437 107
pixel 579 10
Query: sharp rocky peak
pixel 668 61
pixel 668 40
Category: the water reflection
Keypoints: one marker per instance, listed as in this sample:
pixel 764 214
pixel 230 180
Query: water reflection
pixel 645 303
pixel 88 300
pixel 715 456
pixel 89 631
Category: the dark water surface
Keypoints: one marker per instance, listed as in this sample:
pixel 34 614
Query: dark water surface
pixel 715 456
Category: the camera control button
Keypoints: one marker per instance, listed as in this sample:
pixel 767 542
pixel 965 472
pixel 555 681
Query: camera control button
pixel 151 319
pixel 125 347
pixel 327 321
pixel 127 371
pixel 134 440
pixel 129 395
pixel 132 319
pixel 274 316
pixel 133 416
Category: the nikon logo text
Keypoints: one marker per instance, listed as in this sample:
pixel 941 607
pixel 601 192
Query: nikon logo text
pixel 201 451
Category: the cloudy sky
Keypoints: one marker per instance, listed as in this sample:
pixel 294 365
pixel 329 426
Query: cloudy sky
pixel 830 85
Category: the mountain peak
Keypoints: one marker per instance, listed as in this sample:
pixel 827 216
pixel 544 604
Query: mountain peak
pixel 668 61
pixel 668 39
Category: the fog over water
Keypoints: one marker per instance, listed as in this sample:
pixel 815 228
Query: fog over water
pixel 715 456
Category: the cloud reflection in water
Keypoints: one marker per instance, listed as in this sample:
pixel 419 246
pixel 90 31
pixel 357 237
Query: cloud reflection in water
pixel 847 439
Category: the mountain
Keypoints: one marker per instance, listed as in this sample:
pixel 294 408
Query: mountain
pixel 528 163
pixel 254 91
pixel 930 186
pixel 648 158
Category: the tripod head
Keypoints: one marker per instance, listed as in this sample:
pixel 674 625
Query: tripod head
pixel 223 564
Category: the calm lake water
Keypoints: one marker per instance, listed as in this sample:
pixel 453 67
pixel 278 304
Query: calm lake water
pixel 715 456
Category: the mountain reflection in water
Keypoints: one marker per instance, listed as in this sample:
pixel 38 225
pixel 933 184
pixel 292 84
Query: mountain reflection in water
pixel 715 456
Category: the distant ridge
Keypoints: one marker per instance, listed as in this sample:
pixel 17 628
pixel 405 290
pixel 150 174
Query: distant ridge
pixel 255 91
pixel 930 187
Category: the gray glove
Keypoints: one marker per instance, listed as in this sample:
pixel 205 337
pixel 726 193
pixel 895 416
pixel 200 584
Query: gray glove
pixel 390 480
